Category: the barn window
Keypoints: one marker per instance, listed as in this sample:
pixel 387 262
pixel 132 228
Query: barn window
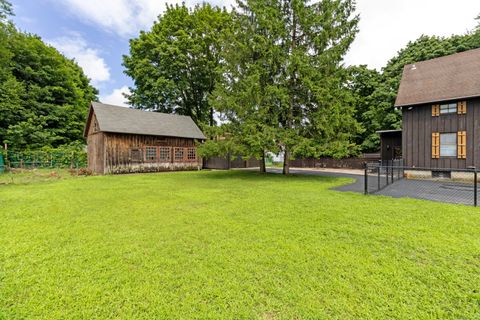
pixel 178 154
pixel 136 155
pixel 151 153
pixel 165 155
pixel 191 154
pixel 448 144
pixel 448 108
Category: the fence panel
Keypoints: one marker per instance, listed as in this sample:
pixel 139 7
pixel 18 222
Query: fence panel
pixel 444 185
pixel 43 159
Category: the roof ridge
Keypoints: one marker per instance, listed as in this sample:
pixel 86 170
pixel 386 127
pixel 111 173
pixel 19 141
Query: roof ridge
pixel 443 57
pixel 101 104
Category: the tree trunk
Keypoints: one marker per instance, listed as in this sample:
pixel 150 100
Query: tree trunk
pixel 286 162
pixel 263 167
pixel 212 120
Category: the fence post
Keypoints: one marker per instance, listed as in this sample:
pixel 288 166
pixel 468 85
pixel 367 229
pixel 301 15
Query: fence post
pixel 393 176
pixel 475 187
pixel 366 179
pixel 379 175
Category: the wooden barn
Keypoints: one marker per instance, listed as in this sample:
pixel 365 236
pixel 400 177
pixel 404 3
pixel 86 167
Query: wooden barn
pixel 440 102
pixel 124 140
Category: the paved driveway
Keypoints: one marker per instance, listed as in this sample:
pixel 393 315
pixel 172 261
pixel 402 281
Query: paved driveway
pixel 441 191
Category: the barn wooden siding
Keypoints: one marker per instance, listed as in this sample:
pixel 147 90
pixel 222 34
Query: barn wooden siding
pixel 420 123
pixel 112 153
pixel 96 148
pixel 119 159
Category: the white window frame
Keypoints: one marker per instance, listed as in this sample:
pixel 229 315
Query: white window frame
pixel 448 150
pixel 448 108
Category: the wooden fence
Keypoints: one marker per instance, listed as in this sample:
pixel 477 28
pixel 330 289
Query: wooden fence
pixel 348 163
pixel 222 163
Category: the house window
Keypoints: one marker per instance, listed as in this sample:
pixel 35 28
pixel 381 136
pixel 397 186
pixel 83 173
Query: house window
pixel 448 108
pixel 448 144
pixel 165 155
pixel 136 155
pixel 151 153
pixel 178 154
pixel 191 154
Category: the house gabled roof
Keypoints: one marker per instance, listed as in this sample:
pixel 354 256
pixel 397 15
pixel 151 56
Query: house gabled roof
pixel 452 77
pixel 133 121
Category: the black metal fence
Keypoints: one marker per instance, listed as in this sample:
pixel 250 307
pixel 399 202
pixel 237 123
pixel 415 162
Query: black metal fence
pixel 459 186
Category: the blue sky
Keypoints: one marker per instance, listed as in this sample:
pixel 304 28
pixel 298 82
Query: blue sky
pixel 96 32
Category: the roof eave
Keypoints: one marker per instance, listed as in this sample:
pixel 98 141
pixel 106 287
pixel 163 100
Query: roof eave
pixel 414 104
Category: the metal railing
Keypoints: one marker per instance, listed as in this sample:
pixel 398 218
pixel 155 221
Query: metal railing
pixel 459 186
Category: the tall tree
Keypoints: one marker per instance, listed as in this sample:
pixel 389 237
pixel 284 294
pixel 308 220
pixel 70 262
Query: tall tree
pixel 293 86
pixel 174 65
pixel 44 97
pixel 247 94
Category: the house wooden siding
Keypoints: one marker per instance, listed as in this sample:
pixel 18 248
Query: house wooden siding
pixel 419 124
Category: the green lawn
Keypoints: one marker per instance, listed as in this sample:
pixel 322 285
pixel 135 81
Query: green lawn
pixel 233 245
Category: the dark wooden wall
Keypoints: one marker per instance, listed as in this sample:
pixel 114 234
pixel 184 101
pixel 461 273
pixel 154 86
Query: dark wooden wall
pixel 419 124
pixel 391 142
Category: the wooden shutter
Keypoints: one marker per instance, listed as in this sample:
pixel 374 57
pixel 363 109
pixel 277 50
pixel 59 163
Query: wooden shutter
pixel 435 110
pixel 462 145
pixel 462 107
pixel 435 145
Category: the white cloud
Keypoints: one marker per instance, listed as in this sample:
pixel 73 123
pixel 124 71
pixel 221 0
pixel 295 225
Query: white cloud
pixel 116 97
pixel 75 47
pixel 387 26
pixel 124 17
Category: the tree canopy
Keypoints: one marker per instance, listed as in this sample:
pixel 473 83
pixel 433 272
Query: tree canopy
pixel 283 84
pixel 174 65
pixel 44 97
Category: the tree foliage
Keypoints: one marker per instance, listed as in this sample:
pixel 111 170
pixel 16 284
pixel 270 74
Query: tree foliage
pixel 283 84
pixel 174 65
pixel 44 97
pixel 5 9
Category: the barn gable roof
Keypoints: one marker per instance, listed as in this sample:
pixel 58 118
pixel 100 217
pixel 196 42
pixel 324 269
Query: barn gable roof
pixel 126 120
pixel 452 77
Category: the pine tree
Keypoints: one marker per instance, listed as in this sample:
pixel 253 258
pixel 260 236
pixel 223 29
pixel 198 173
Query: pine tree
pixel 288 92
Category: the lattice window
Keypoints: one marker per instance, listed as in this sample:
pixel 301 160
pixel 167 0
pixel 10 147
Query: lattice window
pixel 136 155
pixel 191 154
pixel 178 154
pixel 165 154
pixel 151 154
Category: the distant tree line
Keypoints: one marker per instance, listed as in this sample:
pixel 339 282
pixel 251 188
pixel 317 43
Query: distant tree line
pixel 269 76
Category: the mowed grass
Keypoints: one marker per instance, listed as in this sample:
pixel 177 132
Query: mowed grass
pixel 232 245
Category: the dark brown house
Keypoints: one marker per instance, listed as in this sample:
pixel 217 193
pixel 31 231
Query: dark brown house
pixel 122 140
pixel 440 102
